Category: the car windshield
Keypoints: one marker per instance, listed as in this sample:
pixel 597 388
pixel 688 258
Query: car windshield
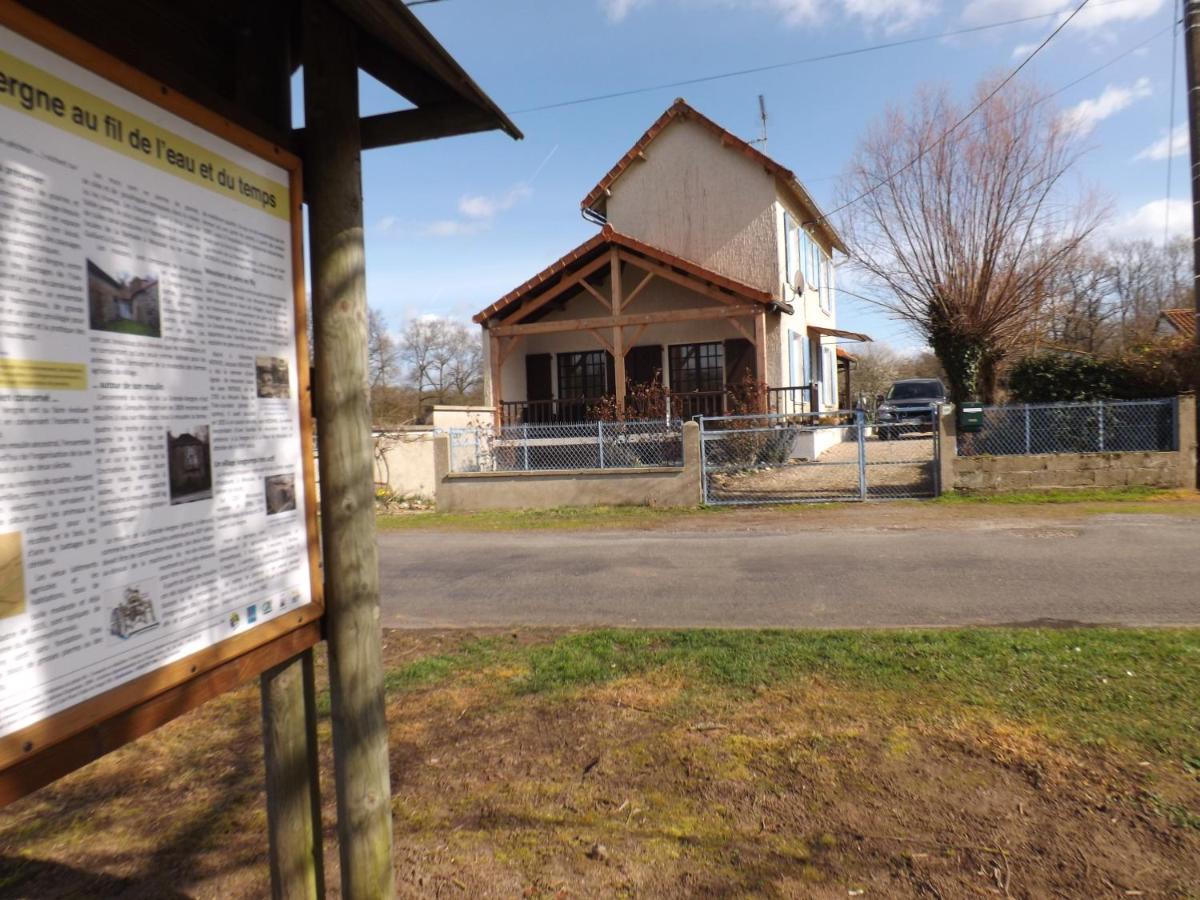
pixel 915 390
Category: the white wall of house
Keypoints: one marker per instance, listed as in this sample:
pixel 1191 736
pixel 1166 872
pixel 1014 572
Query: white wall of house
pixel 695 198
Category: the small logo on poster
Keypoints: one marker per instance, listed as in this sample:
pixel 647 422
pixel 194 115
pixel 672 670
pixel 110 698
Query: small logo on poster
pixel 251 614
pixel 295 597
pixel 267 607
pixel 235 620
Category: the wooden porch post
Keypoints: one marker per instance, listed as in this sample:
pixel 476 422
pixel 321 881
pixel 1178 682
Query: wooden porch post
pixel 760 351
pixel 618 341
pixel 495 368
pixel 333 176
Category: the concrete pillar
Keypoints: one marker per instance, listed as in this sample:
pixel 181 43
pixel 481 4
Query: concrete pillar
pixel 947 450
pixel 692 460
pixel 441 468
pixel 1185 423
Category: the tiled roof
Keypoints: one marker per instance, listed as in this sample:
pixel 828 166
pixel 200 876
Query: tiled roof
pixel 600 243
pixel 681 110
pixel 1184 320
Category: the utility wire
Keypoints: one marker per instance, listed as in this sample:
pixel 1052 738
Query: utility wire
pixel 949 131
pixel 1171 124
pixel 824 57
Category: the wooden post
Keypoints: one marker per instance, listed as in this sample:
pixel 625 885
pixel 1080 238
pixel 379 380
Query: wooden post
pixel 333 176
pixel 288 694
pixel 618 339
pixel 760 352
pixel 1191 47
pixel 496 368
pixel 289 711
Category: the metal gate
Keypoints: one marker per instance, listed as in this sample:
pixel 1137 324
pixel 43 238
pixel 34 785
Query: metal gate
pixel 817 458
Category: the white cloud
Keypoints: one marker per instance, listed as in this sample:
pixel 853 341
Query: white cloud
pixel 1023 50
pixel 386 224
pixel 616 10
pixel 1150 219
pixel 1094 15
pixel 1087 114
pixel 1174 144
pixel 891 15
pixel 484 206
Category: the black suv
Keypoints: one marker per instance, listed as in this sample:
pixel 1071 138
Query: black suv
pixel 908 407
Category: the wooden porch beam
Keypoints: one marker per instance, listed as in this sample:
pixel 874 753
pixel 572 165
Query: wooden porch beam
pixel 743 330
pixel 638 289
pixel 494 364
pixel 629 345
pixel 655 318
pixel 604 342
pixel 565 285
pixel 688 281
pixel 600 298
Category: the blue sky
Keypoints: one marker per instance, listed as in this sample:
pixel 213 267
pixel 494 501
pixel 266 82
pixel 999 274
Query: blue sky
pixel 454 224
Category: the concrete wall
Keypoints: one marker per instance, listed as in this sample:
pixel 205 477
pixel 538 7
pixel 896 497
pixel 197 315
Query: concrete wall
pixel 461 416
pixel 586 487
pixel 404 461
pixel 1046 471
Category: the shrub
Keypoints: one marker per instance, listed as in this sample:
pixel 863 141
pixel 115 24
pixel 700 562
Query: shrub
pixel 1160 369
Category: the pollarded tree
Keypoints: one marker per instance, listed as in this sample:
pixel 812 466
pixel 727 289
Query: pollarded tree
pixel 962 231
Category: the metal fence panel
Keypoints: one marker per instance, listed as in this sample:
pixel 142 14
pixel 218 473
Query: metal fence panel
pixel 815 458
pixel 1107 426
pixel 591 445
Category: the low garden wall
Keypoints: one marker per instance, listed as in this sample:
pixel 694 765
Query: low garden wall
pixel 651 486
pixel 1046 471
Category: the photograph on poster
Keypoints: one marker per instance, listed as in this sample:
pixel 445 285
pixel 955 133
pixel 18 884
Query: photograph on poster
pixel 131 609
pixel 124 305
pixel 272 375
pixel 189 465
pixel 12 575
pixel 281 493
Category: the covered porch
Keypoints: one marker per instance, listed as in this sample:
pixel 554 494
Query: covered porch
pixel 620 329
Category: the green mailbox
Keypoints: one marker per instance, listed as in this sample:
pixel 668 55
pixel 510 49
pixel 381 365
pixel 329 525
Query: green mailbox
pixel 970 417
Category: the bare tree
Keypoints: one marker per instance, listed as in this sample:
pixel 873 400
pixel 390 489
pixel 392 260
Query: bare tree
pixel 383 354
pixel 1081 309
pixel 1148 277
pixel 962 232
pixel 443 360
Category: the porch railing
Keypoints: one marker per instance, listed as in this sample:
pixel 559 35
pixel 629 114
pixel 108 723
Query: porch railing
pixel 677 405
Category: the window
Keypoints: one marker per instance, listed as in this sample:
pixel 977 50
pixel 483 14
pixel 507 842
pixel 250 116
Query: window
pixel 697 367
pixel 582 375
pixel 791 248
pixel 829 376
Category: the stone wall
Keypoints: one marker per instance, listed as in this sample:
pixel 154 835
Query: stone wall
pixel 677 486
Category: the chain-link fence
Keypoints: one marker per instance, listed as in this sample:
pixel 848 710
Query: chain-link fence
pixel 815 458
pixel 1108 426
pixel 591 445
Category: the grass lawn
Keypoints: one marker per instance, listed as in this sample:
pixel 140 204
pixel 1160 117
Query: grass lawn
pixel 951 763
pixel 1133 500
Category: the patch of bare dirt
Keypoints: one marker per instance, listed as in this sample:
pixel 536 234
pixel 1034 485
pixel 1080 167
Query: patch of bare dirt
pixel 646 786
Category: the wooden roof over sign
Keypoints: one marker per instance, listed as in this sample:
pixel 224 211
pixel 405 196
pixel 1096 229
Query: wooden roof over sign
pixel 229 55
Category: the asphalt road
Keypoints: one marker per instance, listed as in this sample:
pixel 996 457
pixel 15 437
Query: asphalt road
pixel 1130 569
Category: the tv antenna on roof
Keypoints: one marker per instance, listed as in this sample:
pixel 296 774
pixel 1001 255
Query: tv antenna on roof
pixel 762 115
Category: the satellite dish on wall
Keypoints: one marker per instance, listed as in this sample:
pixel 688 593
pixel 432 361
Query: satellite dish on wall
pixel 798 282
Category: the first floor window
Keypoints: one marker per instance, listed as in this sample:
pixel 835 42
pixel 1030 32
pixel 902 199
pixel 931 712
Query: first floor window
pixel 582 375
pixel 697 367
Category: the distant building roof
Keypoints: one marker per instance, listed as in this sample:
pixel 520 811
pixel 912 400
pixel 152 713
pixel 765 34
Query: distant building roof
pixel 680 109
pixel 1182 320
pixel 600 243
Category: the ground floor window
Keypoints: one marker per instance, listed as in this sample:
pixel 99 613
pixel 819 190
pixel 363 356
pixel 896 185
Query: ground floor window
pixel 697 367
pixel 582 375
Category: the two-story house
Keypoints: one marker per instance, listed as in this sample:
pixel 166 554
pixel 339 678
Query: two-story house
pixel 713 269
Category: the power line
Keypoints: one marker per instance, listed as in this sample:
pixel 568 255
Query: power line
pixel 1171 126
pixel 949 131
pixel 824 57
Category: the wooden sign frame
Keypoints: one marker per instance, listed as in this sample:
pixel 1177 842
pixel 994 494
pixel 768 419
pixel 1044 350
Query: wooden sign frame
pixel 71 738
